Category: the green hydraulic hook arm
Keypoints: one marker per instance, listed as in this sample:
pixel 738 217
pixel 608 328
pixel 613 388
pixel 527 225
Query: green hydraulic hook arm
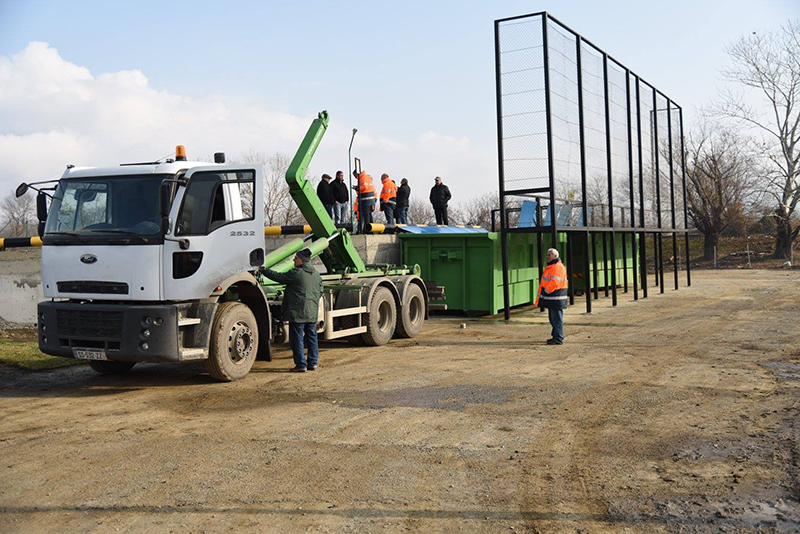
pixel 311 207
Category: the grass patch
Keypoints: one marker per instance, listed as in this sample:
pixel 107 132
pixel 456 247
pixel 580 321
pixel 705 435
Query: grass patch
pixel 26 355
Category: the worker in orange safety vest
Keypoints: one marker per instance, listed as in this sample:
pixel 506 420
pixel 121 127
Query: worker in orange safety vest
pixel 366 199
pixel 388 198
pixel 553 295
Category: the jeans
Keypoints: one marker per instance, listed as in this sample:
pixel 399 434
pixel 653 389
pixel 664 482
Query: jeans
pixel 441 215
pixel 328 209
pixel 340 213
pixel 297 333
pixel 388 212
pixel 557 321
pixel 402 215
pixel 364 213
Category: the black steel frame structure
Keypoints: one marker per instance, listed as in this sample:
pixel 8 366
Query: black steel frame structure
pixel 610 232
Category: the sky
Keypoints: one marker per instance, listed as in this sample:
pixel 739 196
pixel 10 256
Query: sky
pixel 101 83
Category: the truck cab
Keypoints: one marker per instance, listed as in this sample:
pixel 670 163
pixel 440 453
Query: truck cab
pixel 137 258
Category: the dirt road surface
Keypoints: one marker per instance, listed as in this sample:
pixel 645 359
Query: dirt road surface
pixel 677 413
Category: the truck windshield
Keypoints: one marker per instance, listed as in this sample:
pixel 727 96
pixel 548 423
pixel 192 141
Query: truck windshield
pixel 106 205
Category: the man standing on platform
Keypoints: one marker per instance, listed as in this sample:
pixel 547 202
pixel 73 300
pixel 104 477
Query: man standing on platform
pixel 325 194
pixel 388 198
pixel 403 196
pixel 440 196
pixel 365 191
pixel 341 198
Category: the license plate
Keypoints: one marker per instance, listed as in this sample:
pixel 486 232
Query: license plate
pixel 90 354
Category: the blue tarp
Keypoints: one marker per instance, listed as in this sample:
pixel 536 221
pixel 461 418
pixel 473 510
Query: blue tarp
pixel 440 230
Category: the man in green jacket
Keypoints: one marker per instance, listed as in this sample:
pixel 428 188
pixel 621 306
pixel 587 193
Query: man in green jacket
pixel 300 308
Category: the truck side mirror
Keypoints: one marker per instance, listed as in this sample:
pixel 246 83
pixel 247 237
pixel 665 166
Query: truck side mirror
pixel 21 189
pixel 165 198
pixel 41 207
pixel 166 224
pixel 40 229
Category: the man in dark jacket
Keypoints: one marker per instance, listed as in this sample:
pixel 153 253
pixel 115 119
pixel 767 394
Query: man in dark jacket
pixel 553 295
pixel 325 193
pixel 341 198
pixel 440 196
pixel 403 195
pixel 301 308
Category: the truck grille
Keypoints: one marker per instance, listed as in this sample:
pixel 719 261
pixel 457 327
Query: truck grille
pixel 89 324
pixel 101 288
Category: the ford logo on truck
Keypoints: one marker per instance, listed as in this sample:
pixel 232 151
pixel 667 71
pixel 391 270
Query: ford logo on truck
pixel 88 258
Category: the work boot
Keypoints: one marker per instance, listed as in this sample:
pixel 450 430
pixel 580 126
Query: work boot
pixel 297 369
pixel 312 367
pixel 554 342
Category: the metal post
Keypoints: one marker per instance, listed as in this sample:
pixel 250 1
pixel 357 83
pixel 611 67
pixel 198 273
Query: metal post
pixel 672 193
pixel 630 188
pixel 570 288
pixel 634 267
pixel 605 261
pixel 660 240
pixel 625 262
pixel 587 285
pixel 582 144
pixel 685 206
pixel 642 234
pixel 350 177
pixel 594 263
pixel 610 185
pixel 548 122
pixel 655 256
pixel 539 257
pixel 503 229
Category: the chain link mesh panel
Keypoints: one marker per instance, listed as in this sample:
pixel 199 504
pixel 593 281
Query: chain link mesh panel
pixel 631 133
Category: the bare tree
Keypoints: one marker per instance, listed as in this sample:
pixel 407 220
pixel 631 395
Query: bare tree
pixel 768 66
pixel 420 211
pixel 720 173
pixel 18 216
pixel 279 207
pixel 478 210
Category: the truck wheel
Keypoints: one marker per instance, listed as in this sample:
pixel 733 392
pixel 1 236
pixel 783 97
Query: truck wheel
pixel 412 312
pixel 381 318
pixel 234 342
pixel 111 368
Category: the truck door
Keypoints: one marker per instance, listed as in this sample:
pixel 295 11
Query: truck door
pixel 220 213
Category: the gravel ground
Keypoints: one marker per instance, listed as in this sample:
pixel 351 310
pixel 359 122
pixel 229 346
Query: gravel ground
pixel 677 413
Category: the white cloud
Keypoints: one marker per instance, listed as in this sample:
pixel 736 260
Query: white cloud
pixel 53 113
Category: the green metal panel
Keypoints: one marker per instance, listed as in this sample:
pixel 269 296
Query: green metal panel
pixel 578 253
pixel 470 266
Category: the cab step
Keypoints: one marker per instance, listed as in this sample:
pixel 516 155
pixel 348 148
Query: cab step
pixel 188 321
pixel 193 354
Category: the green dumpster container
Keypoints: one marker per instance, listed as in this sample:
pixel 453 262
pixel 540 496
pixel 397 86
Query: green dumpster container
pixel 469 267
pixel 624 260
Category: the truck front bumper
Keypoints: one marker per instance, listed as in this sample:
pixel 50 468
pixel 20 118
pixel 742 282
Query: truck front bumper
pixel 122 332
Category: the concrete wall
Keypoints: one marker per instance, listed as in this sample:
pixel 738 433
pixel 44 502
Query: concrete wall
pixel 20 285
pixel 372 248
pixel 21 276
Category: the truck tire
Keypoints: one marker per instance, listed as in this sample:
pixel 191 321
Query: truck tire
pixel 381 318
pixel 412 313
pixel 234 342
pixel 111 368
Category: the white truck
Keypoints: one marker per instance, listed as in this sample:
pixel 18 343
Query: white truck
pixel 161 262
